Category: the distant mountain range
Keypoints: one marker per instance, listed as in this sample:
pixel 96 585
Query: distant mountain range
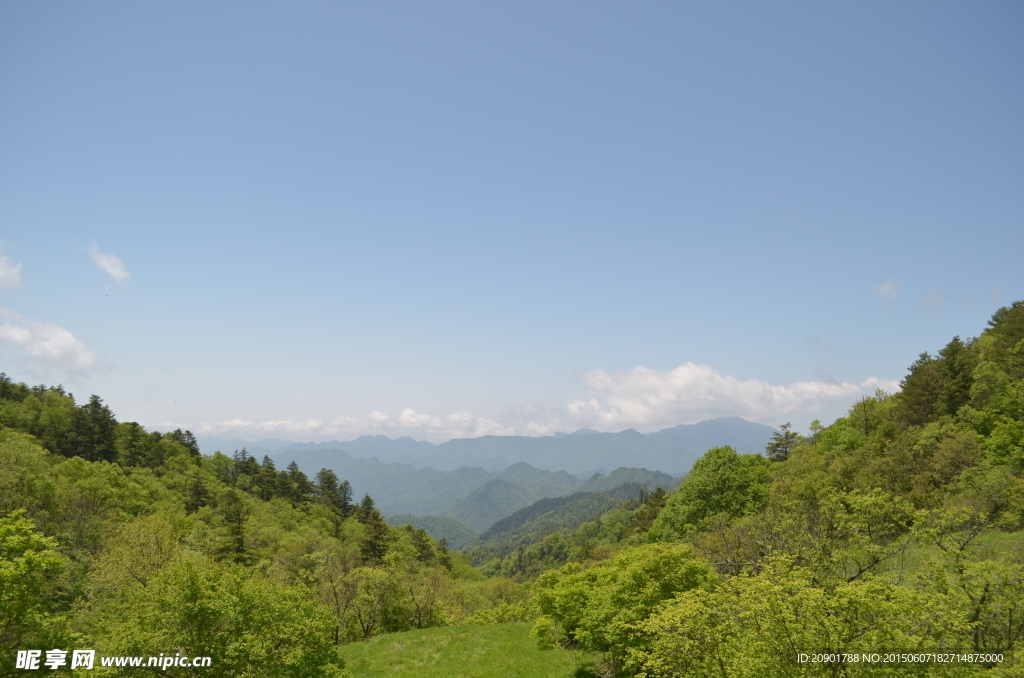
pixel 473 496
pixel 479 481
pixel 671 450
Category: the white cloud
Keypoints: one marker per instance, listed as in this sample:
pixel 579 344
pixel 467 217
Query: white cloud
pixel 889 290
pixel 48 346
pixel 647 399
pixel 644 399
pixel 10 274
pixel 110 265
pixel 408 423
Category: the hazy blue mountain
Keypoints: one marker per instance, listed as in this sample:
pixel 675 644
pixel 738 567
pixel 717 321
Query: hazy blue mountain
pixel 396 488
pixel 399 450
pixel 641 476
pixel 671 450
pixel 401 488
pixel 538 482
pixel 489 503
pixel 474 496
pixel 457 534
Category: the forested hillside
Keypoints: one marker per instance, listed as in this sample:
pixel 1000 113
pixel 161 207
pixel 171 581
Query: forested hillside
pixel 899 528
pixel 896 529
pixel 457 534
pixel 131 542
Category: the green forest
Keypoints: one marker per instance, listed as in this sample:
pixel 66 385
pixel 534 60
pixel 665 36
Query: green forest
pixel 896 530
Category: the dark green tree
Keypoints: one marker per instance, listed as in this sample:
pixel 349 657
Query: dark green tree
pixel 325 488
pixel 782 442
pixel 374 544
pixel 188 440
pixel 956 365
pixel 365 509
pixel 244 469
pixel 648 511
pixel 266 481
pixel 345 497
pixel 134 444
pixel 301 487
pixel 92 432
pixel 12 391
pixel 198 495
pixel 234 512
pixel 920 391
pixel 422 542
pixel 443 556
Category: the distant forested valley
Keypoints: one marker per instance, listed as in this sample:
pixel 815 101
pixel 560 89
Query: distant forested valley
pixel 898 528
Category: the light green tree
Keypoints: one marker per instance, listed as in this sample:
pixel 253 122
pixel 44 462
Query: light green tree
pixel 30 565
pixel 722 482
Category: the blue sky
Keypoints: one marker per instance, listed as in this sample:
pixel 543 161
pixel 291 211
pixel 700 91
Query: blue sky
pixel 317 220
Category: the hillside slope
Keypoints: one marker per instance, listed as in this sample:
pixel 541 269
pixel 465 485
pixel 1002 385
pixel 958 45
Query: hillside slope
pixel 457 534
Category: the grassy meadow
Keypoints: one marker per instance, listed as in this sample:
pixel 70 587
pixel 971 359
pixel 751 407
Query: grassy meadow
pixel 490 651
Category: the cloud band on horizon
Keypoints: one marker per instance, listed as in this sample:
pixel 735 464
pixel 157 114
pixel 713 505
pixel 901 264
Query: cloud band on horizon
pixel 640 398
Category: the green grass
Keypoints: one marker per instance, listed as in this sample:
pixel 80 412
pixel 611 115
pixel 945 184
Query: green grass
pixel 491 651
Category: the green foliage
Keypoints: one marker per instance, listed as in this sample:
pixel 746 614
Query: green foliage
pixel 30 566
pixel 757 625
pixel 650 508
pixel 599 607
pixel 457 534
pixel 249 624
pixel 722 483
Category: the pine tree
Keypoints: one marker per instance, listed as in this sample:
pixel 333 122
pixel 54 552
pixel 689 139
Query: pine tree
pixel 956 367
pixel 421 541
pixel 782 442
pixel 365 509
pixel 325 488
pixel 345 498
pixel 92 432
pixel 301 487
pixel 374 544
pixel 443 556
pixel 188 440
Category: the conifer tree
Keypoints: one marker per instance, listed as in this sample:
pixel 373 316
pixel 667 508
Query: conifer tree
pixel 782 442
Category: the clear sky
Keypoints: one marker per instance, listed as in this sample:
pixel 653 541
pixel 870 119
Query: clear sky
pixel 316 220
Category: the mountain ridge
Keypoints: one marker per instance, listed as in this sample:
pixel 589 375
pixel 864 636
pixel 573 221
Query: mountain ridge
pixel 670 450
